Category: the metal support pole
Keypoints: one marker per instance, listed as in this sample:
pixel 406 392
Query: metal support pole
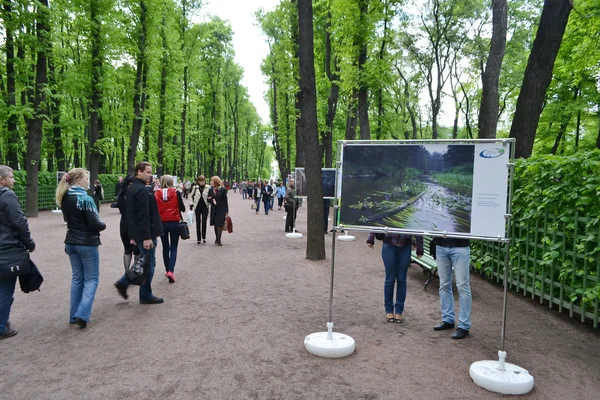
pixel 332 272
pixel 505 305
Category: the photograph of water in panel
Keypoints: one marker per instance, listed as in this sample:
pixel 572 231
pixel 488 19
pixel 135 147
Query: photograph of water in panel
pixel 421 187
pixel 328 177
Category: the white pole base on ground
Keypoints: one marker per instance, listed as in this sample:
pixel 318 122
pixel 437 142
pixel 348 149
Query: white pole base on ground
pixel 329 344
pixel 57 211
pixel 346 238
pixel 293 235
pixel 501 377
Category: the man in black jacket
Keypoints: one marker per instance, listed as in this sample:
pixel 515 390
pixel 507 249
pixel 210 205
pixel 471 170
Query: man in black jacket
pixel 15 241
pixel 144 226
pixel 266 191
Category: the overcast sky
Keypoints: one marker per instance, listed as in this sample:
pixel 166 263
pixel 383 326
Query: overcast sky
pixel 251 48
pixel 248 43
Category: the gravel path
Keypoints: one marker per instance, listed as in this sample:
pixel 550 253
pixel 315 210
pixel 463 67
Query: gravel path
pixel 233 326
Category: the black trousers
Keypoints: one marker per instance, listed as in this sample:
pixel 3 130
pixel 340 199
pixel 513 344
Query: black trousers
pixel 201 219
pixel 290 217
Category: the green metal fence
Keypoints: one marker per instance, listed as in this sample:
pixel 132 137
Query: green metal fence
pixel 46 195
pixel 554 260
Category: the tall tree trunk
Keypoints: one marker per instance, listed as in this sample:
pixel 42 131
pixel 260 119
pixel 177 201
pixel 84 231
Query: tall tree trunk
pixel 139 98
pixel 315 246
pixel 565 123
pixel 183 121
pixel 363 91
pixel 538 74
pixel 160 167
pixel 488 109
pixel 35 123
pixel 95 125
pixel 334 94
pixel 59 153
pixel 598 137
pixel 12 152
pixel 300 139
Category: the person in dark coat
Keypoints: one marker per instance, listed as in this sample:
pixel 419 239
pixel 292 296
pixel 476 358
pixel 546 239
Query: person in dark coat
pixel 81 243
pixel 15 244
pixel 129 250
pixel 98 194
pixel 266 192
pixel 144 226
pixel 219 208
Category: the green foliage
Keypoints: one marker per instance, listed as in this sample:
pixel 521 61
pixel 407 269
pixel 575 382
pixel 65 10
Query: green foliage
pixel 555 227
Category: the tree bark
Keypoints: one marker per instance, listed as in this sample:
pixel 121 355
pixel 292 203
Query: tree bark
pixel 160 161
pixel 12 153
pixel 35 124
pixel 300 139
pixel 538 74
pixel 332 99
pixel 95 125
pixel 363 91
pixel 315 246
pixel 488 109
pixel 139 98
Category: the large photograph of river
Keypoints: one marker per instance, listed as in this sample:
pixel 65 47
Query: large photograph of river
pixel 420 187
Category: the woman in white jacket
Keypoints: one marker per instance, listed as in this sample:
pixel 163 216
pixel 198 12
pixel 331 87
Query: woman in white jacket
pixel 200 205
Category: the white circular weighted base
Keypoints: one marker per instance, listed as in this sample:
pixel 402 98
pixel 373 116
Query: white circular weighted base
pixel 329 344
pixel 293 235
pixel 501 377
pixel 57 211
pixel 346 238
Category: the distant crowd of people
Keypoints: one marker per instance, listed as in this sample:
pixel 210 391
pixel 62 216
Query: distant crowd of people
pixel 152 208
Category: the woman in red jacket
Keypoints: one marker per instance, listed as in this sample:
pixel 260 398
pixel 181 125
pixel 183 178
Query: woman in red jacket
pixel 170 206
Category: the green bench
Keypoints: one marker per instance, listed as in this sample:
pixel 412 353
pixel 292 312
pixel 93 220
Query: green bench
pixel 427 263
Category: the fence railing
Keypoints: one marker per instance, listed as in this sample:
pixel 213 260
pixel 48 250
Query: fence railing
pixel 46 195
pixel 554 260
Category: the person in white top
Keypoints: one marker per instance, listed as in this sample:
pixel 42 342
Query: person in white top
pixel 274 194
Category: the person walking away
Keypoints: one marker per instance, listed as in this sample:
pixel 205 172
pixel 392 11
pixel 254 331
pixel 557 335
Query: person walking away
pixel 144 226
pixel 219 207
pixel 454 255
pixel 280 195
pixel 118 187
pixel 257 195
pixel 235 186
pixel 273 194
pixel 98 194
pixel 395 253
pixel 187 187
pixel 251 189
pixel 244 189
pixel 200 206
pixel 81 243
pixel 170 206
pixel 291 206
pixel 15 244
pixel 129 250
pixel 266 192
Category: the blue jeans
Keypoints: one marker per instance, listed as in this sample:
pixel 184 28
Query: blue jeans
pixel 85 264
pixel 169 251
pixel 272 203
pixel 458 258
pixel 146 287
pixel 396 260
pixel 7 290
pixel 257 201
pixel 266 203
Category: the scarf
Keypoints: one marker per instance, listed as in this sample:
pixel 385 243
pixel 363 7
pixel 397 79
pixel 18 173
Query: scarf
pixel 84 202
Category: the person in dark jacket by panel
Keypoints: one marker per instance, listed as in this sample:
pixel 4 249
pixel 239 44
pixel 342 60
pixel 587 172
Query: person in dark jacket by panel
pixel 82 241
pixel 129 250
pixel 144 226
pixel 15 243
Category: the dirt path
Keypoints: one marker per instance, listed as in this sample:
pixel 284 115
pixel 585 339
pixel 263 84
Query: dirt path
pixel 233 326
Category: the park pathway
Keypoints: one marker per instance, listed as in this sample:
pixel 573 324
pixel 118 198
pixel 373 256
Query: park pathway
pixel 233 325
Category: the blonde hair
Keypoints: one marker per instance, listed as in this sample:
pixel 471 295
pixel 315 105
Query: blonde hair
pixel 166 181
pixel 69 179
pixel 216 180
pixel 5 171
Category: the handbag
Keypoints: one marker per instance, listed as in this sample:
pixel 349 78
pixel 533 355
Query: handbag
pixel 31 281
pixel 136 274
pixel 17 266
pixel 184 230
pixel 253 206
pixel 229 224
